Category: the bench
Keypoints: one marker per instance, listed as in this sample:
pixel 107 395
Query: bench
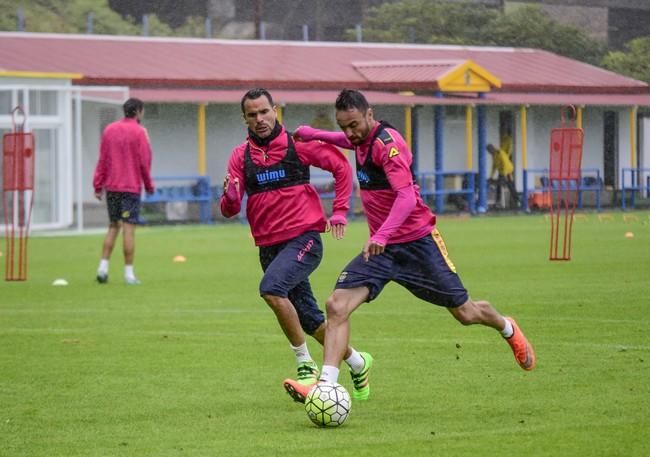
pixel 634 181
pixel 189 189
pixel 590 181
pixel 452 183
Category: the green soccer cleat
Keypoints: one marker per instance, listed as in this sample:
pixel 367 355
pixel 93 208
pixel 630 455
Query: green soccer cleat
pixel 360 380
pixel 308 373
pixel 132 281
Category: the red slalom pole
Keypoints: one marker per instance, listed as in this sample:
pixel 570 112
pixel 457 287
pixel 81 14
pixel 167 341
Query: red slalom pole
pixel 18 149
pixel 565 174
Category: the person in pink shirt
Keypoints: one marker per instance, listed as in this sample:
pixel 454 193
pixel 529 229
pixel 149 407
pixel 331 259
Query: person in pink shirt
pixel 286 218
pixel 404 244
pixel 123 169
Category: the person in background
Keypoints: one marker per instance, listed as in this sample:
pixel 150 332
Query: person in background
pixel 404 245
pixel 502 166
pixel 286 219
pixel 506 142
pixel 123 169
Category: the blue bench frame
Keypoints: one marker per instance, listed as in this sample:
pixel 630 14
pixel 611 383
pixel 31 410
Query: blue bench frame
pixel 587 174
pixel 635 179
pixel 468 192
pixel 199 192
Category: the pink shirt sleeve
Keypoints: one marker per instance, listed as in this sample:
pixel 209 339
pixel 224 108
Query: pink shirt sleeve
pixel 307 133
pixel 231 206
pixel 100 170
pixel 395 159
pixel 329 158
pixel 402 207
pixel 145 162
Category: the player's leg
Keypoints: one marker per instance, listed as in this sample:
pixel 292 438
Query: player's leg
pixel 483 313
pixel 285 267
pixel 107 249
pixel 427 271
pixel 114 224
pixel 514 199
pixel 340 305
pixel 128 246
pixel 130 215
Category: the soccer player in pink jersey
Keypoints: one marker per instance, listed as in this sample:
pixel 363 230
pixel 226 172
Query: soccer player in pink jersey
pixel 123 169
pixel 404 244
pixel 286 219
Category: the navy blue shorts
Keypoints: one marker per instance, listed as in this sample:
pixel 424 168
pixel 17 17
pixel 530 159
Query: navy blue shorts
pixel 422 266
pixel 287 267
pixel 123 206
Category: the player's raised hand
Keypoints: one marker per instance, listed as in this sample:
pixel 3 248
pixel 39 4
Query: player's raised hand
pixel 372 248
pixel 336 224
pixel 231 188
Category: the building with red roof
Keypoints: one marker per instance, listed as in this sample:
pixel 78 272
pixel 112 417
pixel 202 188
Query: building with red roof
pixel 450 101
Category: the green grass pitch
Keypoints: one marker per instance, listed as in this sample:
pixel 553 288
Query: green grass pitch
pixel 191 362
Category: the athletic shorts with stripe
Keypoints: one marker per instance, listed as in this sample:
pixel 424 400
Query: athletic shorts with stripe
pixel 287 267
pixel 422 266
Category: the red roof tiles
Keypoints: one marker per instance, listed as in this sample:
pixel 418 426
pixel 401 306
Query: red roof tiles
pixel 217 64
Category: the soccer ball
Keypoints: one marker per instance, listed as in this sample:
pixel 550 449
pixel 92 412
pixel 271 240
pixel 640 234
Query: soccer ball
pixel 328 404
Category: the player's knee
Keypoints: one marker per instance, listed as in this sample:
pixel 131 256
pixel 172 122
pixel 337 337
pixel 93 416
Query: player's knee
pixel 466 313
pixel 337 309
pixel 273 301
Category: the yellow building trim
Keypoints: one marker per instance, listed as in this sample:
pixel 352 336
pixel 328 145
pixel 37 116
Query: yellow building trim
pixel 469 136
pixel 579 117
pixel 200 129
pixel 39 74
pixel 278 110
pixel 468 77
pixel 408 126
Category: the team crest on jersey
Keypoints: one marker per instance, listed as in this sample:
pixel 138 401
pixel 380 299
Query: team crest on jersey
pixel 393 152
pixel 342 276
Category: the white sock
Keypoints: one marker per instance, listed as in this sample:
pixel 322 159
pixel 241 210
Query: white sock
pixel 329 374
pixel 128 272
pixel 103 266
pixel 356 361
pixel 507 330
pixel 301 352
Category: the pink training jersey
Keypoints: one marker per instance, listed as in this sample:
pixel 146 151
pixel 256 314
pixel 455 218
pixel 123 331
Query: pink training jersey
pixel 279 215
pixel 395 158
pixel 124 163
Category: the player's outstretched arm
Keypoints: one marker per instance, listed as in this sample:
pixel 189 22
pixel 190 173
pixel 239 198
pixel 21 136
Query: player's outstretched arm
pixel 307 133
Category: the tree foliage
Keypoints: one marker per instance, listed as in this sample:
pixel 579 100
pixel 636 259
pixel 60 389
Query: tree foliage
pixel 71 16
pixel 531 27
pixel 423 21
pixel 634 61
pixel 65 16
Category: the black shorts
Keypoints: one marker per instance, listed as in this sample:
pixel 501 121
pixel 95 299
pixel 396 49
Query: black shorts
pixel 422 266
pixel 287 267
pixel 123 206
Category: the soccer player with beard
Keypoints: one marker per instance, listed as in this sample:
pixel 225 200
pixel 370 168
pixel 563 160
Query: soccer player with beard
pixel 286 218
pixel 404 244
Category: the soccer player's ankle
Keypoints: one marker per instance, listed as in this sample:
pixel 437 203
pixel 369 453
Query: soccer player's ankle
pixel 507 330
pixel 128 272
pixel 356 361
pixel 301 352
pixel 103 266
pixel 329 374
